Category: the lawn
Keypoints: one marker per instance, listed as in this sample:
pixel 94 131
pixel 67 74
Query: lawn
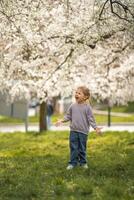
pixel 100 119
pixel 33 167
pixel 122 109
pixel 126 109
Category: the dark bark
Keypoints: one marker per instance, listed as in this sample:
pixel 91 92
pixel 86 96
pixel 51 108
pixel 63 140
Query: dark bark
pixel 42 121
pixel 109 116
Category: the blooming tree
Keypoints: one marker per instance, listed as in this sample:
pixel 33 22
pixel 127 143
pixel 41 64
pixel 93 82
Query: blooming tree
pixel 111 78
pixel 49 47
pixel 36 42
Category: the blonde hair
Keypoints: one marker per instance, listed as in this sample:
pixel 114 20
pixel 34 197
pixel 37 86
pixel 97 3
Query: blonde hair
pixel 85 91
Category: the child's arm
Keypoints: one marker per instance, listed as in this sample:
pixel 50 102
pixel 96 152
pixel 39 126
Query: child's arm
pixel 67 118
pixel 93 122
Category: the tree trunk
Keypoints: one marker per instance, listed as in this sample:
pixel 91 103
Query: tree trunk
pixel 43 112
pixel 109 116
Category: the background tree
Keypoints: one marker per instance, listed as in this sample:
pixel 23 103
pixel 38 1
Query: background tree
pixel 50 47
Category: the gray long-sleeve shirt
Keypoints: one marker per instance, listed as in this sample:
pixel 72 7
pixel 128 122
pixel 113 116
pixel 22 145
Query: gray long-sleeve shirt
pixel 80 117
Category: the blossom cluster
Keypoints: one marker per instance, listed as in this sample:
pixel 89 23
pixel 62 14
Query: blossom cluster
pixel 50 47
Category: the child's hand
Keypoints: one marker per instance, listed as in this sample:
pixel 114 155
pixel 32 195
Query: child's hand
pixel 58 123
pixel 98 130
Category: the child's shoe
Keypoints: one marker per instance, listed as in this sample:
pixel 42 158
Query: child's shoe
pixel 70 167
pixel 85 166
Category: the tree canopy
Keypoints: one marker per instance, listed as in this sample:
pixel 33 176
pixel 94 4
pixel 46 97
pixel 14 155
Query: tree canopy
pixel 50 47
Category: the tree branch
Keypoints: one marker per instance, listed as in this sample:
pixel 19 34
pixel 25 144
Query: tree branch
pixel 121 5
pixel 102 10
pixel 9 19
pixel 61 64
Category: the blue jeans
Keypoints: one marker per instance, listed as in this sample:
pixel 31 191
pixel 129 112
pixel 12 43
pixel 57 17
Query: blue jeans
pixel 48 119
pixel 78 143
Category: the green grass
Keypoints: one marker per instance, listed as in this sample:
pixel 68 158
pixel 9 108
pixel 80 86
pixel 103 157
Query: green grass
pixel 122 109
pixel 100 119
pixel 33 167
pixel 126 109
pixel 4 119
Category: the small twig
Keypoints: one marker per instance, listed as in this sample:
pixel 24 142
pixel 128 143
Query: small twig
pixel 103 9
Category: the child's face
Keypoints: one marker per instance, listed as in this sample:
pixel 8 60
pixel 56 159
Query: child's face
pixel 79 96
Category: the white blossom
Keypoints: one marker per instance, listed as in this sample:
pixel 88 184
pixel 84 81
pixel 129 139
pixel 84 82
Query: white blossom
pixel 51 47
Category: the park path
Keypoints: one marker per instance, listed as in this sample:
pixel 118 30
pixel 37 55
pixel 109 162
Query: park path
pixel 10 128
pixel 118 114
pixel 32 112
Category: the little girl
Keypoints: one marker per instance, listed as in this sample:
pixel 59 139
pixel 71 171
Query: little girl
pixel 81 118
